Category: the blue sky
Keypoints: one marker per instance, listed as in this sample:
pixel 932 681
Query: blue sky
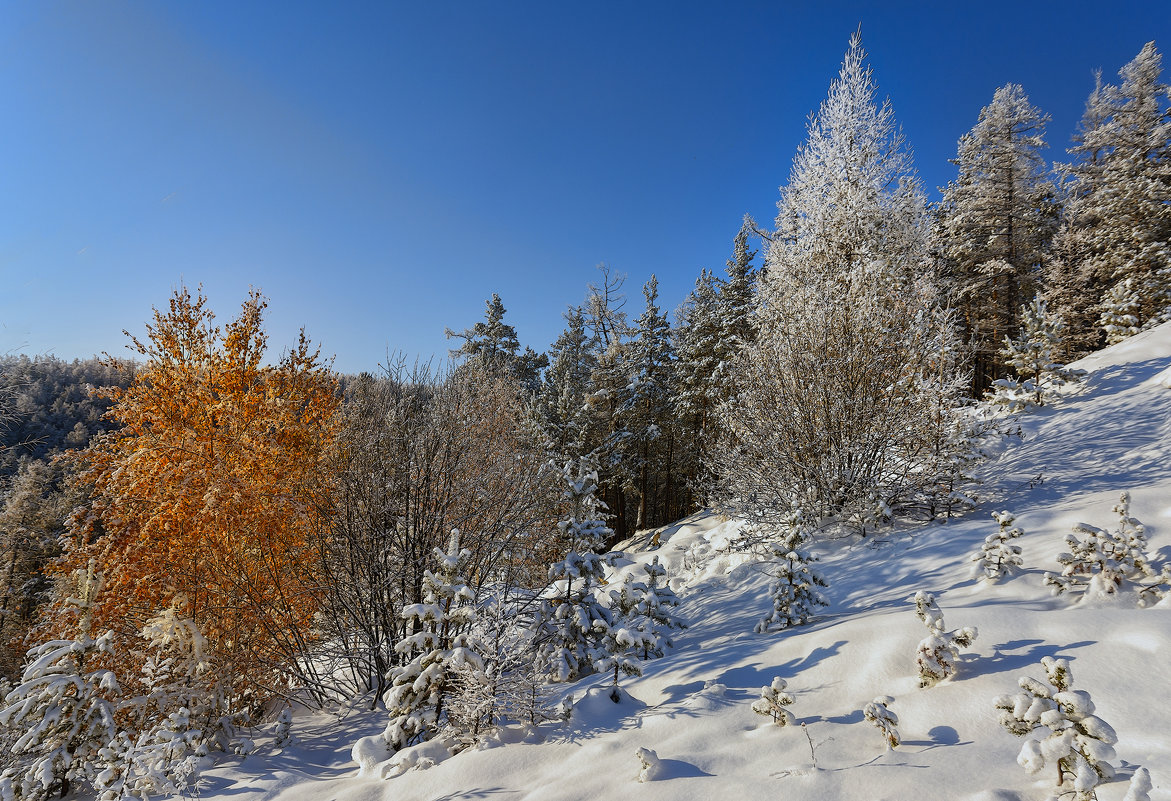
pixel 379 169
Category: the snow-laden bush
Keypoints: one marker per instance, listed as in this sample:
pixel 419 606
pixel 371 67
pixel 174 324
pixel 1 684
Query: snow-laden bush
pixel 998 557
pixel 772 702
pixel 1074 741
pixel 939 651
pixel 1103 563
pixel 793 590
pixel 878 712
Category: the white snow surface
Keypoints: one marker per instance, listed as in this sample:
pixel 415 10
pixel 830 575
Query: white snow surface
pixel 693 708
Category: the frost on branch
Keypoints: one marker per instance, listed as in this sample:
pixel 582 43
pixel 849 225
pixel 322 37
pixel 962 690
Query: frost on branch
pixel 998 557
pixel 1033 357
pixel 940 650
pixel 878 712
pixel 1102 563
pixel 1073 741
pixel 772 702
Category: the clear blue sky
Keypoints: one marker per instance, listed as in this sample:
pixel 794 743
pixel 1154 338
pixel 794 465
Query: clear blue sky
pixel 379 169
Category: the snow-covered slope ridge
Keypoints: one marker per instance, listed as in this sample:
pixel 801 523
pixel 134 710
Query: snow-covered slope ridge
pixel 693 708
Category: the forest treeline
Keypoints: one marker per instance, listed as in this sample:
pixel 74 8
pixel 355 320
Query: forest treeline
pixel 217 531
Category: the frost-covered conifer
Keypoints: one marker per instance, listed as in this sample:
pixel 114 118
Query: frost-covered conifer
pixel 878 712
pixel 1075 742
pixel 1121 307
pixel 649 607
pixel 63 708
pixel 940 650
pixel 772 702
pixel 998 557
pixel 439 650
pixel 571 618
pixel 998 217
pixel 793 590
pixel 179 718
pixel 1101 563
pixel 1032 355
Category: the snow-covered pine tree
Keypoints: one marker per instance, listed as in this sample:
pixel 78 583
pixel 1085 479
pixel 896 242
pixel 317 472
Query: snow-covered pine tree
pixel 940 650
pixel 1135 230
pixel 1033 356
pixel 1077 743
pixel 1121 310
pixel 793 590
pixel 646 411
pixel 494 344
pixel 438 648
pixel 998 557
pixel 64 707
pixel 652 610
pixel 773 702
pixel 998 218
pixel 1102 563
pixel 698 342
pixel 1074 274
pixel 179 718
pixel 878 712
pixel 567 625
pixel 830 387
pixel 561 403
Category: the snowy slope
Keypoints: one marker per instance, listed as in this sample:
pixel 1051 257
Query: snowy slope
pixel 1112 433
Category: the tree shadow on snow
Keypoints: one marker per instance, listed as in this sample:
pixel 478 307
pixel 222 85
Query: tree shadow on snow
pixel 1002 660
pixel 479 792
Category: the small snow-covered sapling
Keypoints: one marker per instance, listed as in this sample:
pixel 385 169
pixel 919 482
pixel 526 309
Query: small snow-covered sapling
pixel 1102 562
pixel 772 702
pixel 650 766
pixel 939 651
pixel 1074 740
pixel 998 557
pixel 878 712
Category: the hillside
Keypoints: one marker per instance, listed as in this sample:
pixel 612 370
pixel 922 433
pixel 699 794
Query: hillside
pixel 1110 434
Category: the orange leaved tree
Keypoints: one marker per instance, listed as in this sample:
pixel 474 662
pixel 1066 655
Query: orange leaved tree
pixel 204 498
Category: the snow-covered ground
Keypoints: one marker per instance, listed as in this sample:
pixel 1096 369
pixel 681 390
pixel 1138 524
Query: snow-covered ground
pixel 693 708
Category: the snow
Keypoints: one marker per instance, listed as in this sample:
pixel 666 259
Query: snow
pixel 690 714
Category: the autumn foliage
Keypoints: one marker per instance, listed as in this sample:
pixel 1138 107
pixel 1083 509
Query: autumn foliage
pixel 205 495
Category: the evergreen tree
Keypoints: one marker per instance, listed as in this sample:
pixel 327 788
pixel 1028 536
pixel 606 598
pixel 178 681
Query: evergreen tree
pixel 999 216
pixel 565 388
pixel 878 712
pixel 1076 742
pixel 793 590
pixel 1116 243
pixel 773 702
pixel 64 707
pixel 647 448
pixel 494 343
pixel 1032 355
pixel 570 617
pixel 439 648
pixel 940 650
pixel 998 557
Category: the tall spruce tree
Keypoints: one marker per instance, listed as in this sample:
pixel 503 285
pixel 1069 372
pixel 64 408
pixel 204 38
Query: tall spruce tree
pixel 1115 244
pixel 999 216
